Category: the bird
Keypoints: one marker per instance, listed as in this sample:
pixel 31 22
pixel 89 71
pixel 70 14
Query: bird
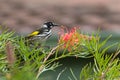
pixel 41 34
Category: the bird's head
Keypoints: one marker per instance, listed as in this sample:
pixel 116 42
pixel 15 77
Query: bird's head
pixel 50 24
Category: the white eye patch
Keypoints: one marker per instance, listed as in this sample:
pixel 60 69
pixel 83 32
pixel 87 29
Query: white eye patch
pixel 45 26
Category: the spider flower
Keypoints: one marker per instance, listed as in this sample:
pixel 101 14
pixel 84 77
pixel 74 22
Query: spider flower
pixel 72 39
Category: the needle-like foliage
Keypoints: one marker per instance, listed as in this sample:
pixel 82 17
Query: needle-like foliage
pixel 19 59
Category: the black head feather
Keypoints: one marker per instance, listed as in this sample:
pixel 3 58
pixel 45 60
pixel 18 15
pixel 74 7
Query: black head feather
pixel 50 24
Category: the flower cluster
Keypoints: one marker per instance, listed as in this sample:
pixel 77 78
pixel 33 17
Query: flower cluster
pixel 72 39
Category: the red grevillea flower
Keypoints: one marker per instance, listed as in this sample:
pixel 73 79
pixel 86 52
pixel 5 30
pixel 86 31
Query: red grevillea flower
pixel 71 39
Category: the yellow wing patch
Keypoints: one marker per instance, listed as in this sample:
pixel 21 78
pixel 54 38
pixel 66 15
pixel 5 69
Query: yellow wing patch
pixel 34 33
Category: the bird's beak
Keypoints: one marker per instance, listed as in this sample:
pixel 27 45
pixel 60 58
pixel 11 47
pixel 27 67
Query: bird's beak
pixel 56 25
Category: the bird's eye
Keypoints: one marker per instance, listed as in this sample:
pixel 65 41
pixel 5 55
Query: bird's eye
pixel 51 23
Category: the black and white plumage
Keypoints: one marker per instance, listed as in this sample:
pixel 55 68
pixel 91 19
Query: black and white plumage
pixel 43 33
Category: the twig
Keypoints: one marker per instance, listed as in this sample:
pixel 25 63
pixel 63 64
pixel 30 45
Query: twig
pixel 104 73
pixel 58 77
pixel 45 59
